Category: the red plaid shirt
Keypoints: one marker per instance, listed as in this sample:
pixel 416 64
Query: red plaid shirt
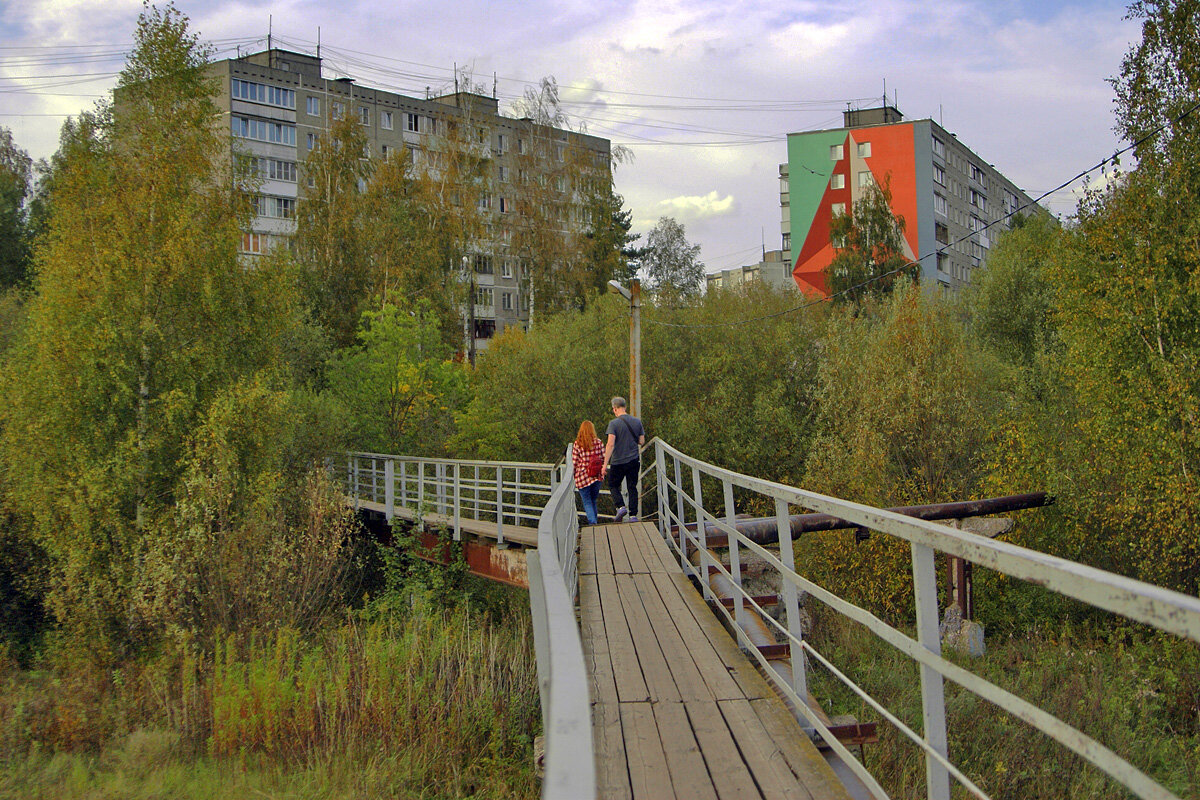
pixel 581 458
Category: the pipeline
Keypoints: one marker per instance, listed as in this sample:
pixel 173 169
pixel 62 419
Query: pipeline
pixel 765 530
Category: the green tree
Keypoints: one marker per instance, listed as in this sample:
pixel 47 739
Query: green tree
pixel 16 173
pixel 869 248
pixel 400 384
pixel 142 314
pixel 670 263
pixel 1011 301
pixel 332 239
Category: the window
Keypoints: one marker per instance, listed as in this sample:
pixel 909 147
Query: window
pixel 364 115
pixel 506 269
pixel 836 152
pixel 976 223
pixel 502 174
pixel 412 123
pixel 312 141
pixel 939 148
pixel 264 131
pixel 559 151
pixel 483 264
pixel 385 120
pixel 943 262
pixel 259 93
pixel 501 143
pixel 979 200
pixel 837 181
pixel 838 209
pixel 976 174
pixel 787 241
pixel 939 204
pixel 521 146
pixel 941 232
pixel 275 207
pixel 939 175
pixel 276 170
pixel 339 110
pixel 484 202
pixel 505 205
pixel 560 184
pixel 255 243
pixel 506 302
pixel 483 296
pixel 864 149
pixel 314 106
pixel 865 179
pixel 385 152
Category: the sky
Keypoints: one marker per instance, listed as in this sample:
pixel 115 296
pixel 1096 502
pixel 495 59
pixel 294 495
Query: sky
pixel 701 93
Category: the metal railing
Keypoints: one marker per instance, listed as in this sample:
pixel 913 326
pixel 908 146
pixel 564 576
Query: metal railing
pixel 570 766
pixel 681 502
pixel 501 492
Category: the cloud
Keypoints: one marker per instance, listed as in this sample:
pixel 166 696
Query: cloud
pixel 692 207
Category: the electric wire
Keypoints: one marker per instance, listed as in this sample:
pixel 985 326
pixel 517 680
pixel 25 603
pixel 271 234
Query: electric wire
pixel 1114 158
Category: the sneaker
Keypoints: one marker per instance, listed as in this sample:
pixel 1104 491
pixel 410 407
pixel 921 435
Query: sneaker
pixel 633 519
pixel 621 512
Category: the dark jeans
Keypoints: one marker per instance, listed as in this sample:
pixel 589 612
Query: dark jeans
pixel 627 472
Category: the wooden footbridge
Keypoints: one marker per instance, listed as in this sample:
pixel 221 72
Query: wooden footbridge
pixel 655 680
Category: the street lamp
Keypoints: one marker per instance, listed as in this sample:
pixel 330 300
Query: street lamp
pixel 634 295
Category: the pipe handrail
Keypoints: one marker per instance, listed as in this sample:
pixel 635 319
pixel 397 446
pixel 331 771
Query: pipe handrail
pixel 1164 609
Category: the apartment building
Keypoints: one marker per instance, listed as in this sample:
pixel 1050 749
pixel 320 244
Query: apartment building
pixel 947 194
pixel 774 270
pixel 279 103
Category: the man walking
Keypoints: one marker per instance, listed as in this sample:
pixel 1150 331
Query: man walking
pixel 622 461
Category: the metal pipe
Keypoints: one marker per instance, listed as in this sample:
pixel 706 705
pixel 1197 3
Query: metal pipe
pixel 763 530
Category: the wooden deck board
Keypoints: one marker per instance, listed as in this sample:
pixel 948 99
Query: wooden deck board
pixel 678 710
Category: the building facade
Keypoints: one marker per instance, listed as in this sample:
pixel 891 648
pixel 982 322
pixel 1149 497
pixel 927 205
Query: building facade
pixel 279 104
pixel 946 194
pixel 775 270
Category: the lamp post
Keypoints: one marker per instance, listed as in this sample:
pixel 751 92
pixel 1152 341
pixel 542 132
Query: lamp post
pixel 634 295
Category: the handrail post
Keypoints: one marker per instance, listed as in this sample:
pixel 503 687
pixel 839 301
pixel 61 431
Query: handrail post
pixel 517 519
pixel 684 564
pixel 664 510
pixel 389 489
pixel 499 505
pixel 791 601
pixel 701 535
pixel 457 503
pixel 735 557
pixel 403 485
pixel 933 692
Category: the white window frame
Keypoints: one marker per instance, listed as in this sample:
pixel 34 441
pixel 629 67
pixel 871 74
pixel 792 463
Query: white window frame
pixel 313 106
pixel 837 180
pixel 385 120
pixel 837 152
pixel 864 149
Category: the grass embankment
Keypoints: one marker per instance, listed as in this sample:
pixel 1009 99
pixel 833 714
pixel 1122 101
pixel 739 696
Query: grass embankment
pixel 1137 693
pixel 417 702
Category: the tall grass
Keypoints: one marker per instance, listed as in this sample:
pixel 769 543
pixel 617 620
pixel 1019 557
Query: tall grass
pixel 429 703
pixel 1137 693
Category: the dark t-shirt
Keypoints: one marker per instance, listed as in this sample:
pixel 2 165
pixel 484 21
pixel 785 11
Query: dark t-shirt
pixel 628 429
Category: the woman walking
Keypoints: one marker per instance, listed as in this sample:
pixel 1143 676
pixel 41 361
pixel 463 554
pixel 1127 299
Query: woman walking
pixel 587 454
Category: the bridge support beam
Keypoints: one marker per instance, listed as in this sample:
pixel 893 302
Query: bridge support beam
pixel 482 556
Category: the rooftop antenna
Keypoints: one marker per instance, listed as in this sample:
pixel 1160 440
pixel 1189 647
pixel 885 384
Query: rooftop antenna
pixel 270 27
pixel 885 96
pixel 762 233
pixel 318 43
pixel 456 100
pixel 493 86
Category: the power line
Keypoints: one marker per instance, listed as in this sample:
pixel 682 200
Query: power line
pixel 1102 163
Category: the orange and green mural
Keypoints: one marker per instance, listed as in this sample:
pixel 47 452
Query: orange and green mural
pixel 827 173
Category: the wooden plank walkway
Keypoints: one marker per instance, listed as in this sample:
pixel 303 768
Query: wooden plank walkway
pixel 677 709
pixel 517 534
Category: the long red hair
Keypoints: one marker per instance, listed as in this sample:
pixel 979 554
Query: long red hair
pixel 586 437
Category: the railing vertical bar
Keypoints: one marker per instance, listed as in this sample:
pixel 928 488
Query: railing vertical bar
pixel 704 559
pixel 520 516
pixel 791 600
pixel 389 489
pixel 684 564
pixel 499 505
pixel 735 558
pixel 357 487
pixel 664 509
pixel 403 483
pixel 457 503
pixel 933 692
